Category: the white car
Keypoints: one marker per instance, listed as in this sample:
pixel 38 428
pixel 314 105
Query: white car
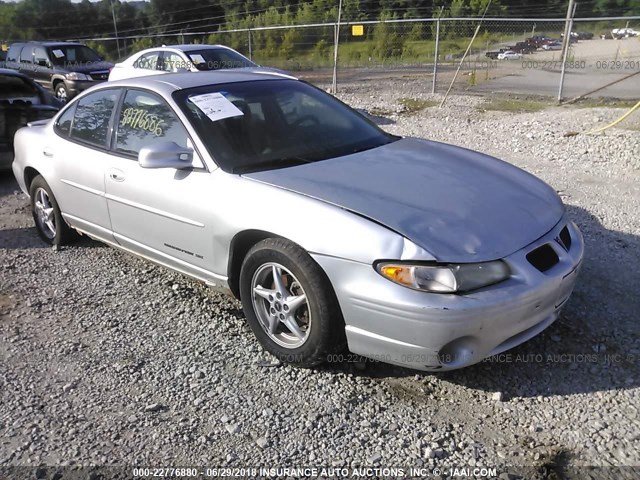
pixel 624 32
pixel 181 58
pixel 509 55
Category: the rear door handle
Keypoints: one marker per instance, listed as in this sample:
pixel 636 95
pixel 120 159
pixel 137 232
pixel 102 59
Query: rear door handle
pixel 47 153
pixel 116 175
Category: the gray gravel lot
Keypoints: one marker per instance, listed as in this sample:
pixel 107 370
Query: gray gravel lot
pixel 108 360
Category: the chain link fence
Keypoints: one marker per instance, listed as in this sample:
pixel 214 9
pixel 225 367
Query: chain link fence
pixel 602 50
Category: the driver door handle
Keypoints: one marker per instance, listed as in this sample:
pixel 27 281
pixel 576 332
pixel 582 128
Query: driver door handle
pixel 116 175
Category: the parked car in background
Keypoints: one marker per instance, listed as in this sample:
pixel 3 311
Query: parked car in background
pixel 509 55
pixel 624 33
pixel 21 101
pixel 331 231
pixel 182 58
pixel 584 35
pixel 552 46
pixel 523 47
pixel 64 68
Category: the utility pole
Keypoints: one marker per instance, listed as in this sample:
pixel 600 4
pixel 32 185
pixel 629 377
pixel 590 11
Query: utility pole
pixel 568 26
pixel 115 26
pixel 334 86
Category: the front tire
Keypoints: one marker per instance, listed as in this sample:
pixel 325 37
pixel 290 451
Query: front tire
pixel 46 214
pixel 290 304
pixel 61 92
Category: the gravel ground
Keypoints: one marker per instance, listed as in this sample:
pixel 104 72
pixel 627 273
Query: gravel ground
pixel 108 360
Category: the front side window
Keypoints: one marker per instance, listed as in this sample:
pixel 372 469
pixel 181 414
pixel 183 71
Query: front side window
pixel 145 119
pixel 41 57
pixel 92 117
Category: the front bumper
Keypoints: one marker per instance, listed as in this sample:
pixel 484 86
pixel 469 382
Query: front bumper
pixel 427 331
pixel 77 86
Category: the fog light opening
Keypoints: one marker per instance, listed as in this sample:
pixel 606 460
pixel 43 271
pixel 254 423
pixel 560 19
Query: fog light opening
pixel 459 352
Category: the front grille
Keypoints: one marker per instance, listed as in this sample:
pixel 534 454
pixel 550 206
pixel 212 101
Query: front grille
pixel 99 75
pixel 565 238
pixel 543 258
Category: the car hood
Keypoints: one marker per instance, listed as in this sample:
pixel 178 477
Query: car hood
pixel 460 205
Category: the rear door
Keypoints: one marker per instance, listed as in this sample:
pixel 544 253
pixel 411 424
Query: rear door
pixel 80 150
pixel 26 61
pixel 43 68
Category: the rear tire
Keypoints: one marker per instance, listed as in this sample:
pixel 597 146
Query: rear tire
pixel 290 304
pixel 46 213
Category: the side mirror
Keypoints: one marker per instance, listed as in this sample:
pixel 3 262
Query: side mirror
pixel 165 155
pixel 43 63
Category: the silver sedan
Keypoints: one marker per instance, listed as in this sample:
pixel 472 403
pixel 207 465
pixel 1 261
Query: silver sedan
pixel 333 233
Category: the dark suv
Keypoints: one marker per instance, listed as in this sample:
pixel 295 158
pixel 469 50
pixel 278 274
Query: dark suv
pixel 65 68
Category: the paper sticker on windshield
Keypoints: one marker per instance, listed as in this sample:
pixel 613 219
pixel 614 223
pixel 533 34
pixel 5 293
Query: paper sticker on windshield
pixel 215 106
pixel 58 53
pixel 197 58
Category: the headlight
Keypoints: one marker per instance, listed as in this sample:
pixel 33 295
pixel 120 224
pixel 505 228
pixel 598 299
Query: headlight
pixel 449 278
pixel 76 76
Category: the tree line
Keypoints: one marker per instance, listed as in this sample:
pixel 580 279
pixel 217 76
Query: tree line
pixel 64 19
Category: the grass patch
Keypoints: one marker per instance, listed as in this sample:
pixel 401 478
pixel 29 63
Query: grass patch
pixel 603 102
pixel 414 105
pixel 513 105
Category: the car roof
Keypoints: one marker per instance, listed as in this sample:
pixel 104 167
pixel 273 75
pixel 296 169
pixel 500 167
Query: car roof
pixel 52 44
pixel 170 82
pixel 196 46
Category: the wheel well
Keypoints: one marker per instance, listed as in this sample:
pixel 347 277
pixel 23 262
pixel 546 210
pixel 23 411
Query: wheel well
pixel 29 174
pixel 240 246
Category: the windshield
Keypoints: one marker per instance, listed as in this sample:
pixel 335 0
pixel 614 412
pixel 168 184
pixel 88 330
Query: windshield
pixel 262 125
pixel 218 58
pixel 63 55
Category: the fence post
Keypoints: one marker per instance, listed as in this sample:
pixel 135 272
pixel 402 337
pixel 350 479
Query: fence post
pixel 336 38
pixel 435 57
pixel 566 44
pixel 250 52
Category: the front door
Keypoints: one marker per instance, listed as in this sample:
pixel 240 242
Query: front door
pixel 159 213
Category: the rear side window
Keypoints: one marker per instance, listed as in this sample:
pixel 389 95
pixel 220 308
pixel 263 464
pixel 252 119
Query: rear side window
pixel 92 116
pixel 148 61
pixel 145 118
pixel 14 52
pixel 64 122
pixel 26 55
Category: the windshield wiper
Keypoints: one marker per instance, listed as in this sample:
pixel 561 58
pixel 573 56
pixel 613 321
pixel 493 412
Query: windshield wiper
pixel 272 164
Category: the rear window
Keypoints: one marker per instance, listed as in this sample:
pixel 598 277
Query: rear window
pixel 12 87
pixel 218 58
